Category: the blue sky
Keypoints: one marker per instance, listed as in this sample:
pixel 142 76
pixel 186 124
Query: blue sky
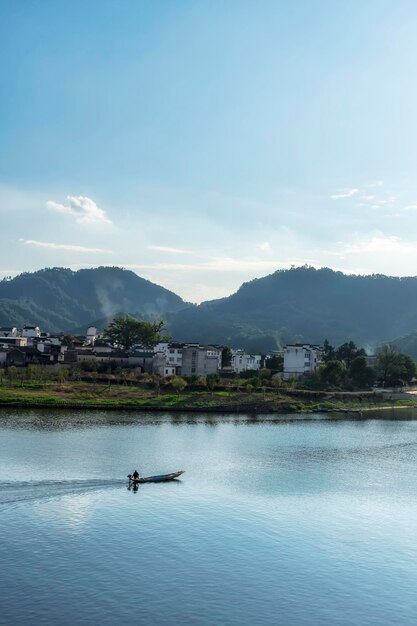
pixel 205 143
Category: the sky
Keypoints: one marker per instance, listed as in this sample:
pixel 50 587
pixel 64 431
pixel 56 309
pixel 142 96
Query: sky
pixel 205 143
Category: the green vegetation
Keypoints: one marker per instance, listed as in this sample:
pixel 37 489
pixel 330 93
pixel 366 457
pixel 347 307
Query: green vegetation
pixel 304 304
pixel 125 331
pixel 345 367
pixel 301 304
pixel 45 386
pixel 226 357
pixel 394 367
pixel 59 299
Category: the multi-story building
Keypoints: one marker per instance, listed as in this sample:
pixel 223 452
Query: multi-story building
pixel 241 362
pixel 300 359
pixel 199 360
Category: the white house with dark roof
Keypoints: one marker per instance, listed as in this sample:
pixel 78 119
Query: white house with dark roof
pixel 242 362
pixel 300 359
pixel 8 331
pixel 31 332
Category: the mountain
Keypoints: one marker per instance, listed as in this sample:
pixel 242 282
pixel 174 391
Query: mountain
pixel 407 344
pixel 61 299
pixel 304 304
pixel 300 304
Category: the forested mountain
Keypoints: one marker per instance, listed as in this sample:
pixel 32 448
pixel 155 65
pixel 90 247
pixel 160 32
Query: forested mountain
pixel 407 344
pixel 301 304
pixel 305 304
pixel 61 299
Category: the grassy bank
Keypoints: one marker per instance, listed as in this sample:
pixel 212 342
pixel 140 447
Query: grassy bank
pixel 96 395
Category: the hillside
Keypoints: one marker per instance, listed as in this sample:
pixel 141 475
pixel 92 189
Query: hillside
pixel 407 344
pixel 305 304
pixel 61 299
pixel 301 304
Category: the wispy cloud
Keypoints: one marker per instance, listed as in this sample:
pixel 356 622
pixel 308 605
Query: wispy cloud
pixel 221 264
pixel 345 193
pixel 171 250
pixel 265 246
pixel 84 209
pixel 62 246
pixel 374 244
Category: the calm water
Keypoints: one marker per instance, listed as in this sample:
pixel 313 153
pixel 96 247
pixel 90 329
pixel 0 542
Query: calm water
pixel 274 522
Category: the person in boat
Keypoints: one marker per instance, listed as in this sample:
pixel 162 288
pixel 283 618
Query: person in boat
pixel 135 475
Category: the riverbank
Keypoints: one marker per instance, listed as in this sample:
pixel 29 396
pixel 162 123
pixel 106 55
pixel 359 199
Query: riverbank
pixel 83 395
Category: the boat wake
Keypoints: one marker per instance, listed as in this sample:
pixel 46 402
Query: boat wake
pixel 14 492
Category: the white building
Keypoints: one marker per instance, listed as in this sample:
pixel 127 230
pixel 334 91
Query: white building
pixel 242 362
pixel 200 360
pixel 300 359
pixel 8 331
pixel 31 332
pixel 92 335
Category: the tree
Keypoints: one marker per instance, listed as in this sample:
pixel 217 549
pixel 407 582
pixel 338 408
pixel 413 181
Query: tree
pixel 360 374
pixel 329 353
pixel 212 380
pixel 12 372
pixel 333 373
pixel 226 357
pixel 126 331
pixel 68 341
pixel 409 367
pixel 178 384
pixel 276 363
pixel 393 366
pixel 265 373
pixel 347 352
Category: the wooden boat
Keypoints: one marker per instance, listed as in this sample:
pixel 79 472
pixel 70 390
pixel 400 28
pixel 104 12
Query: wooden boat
pixel 155 479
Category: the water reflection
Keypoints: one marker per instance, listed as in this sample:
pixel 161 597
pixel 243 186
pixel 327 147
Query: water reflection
pixel 279 520
pixel 61 419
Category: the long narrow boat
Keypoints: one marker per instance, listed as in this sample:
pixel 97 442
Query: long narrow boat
pixel 155 479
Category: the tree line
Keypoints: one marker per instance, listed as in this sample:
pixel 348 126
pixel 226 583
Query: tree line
pixel 347 366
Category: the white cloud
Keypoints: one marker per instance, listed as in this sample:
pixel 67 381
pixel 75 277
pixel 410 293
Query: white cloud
pixel 375 244
pixel 265 246
pixel 410 207
pixel 62 246
pixel 368 197
pixel 84 209
pixel 221 264
pixel 172 250
pixel 345 193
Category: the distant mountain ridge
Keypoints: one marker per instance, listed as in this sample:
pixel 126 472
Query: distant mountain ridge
pixel 300 304
pixel 306 304
pixel 61 299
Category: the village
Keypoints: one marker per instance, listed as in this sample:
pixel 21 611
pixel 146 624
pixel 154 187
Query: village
pixel 29 345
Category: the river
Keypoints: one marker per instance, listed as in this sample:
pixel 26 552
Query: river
pixel 290 520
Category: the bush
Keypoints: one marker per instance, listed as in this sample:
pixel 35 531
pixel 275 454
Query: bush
pixel 178 383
